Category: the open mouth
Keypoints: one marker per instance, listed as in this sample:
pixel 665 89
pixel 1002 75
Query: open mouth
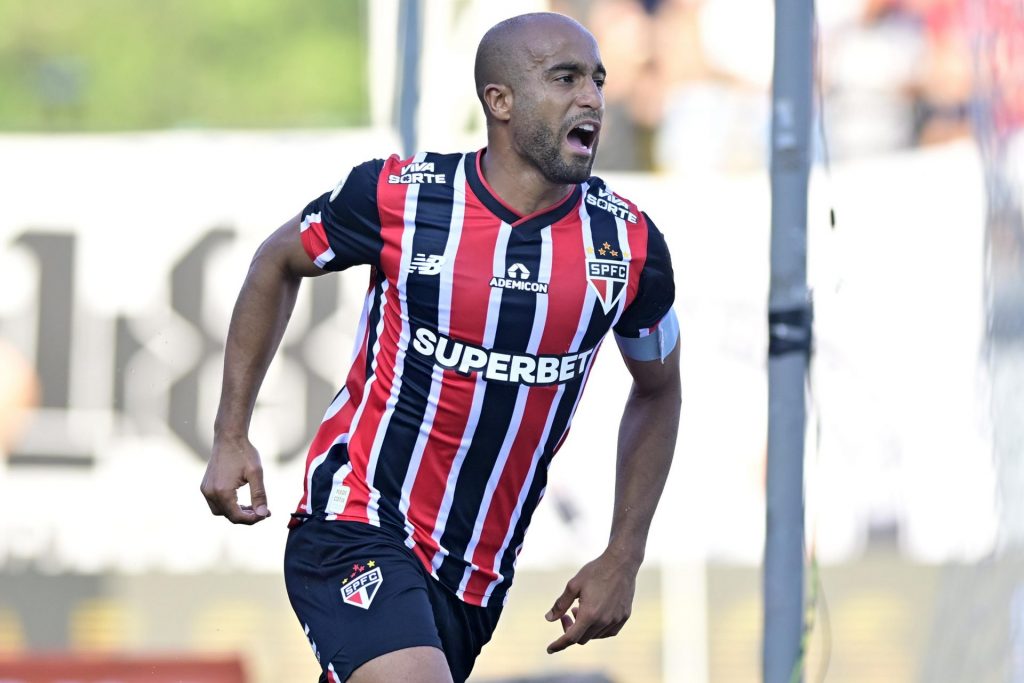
pixel 582 137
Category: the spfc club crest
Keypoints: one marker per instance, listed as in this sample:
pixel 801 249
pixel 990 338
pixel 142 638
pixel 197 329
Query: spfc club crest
pixel 360 588
pixel 609 279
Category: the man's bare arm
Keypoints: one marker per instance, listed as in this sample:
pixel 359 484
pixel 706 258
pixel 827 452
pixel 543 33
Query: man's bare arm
pixel 258 322
pixel 647 437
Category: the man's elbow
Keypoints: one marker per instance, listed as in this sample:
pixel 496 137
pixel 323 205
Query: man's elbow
pixel 672 395
pixel 277 257
pixel 267 260
pixel 667 392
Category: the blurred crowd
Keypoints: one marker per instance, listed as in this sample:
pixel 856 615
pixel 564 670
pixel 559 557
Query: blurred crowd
pixel 689 78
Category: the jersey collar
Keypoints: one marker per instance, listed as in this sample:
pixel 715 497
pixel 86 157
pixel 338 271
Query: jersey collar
pixel 538 219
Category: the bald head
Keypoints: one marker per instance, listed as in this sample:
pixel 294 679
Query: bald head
pixel 505 50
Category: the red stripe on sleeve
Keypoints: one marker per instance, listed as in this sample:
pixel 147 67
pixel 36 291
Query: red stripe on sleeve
pixel 314 240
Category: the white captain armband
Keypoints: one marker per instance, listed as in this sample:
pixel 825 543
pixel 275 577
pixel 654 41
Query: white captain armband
pixel 653 343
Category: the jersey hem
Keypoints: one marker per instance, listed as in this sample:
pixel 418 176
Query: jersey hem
pixel 454 591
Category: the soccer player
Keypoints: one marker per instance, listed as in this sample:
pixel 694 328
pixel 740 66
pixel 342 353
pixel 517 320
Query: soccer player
pixel 494 276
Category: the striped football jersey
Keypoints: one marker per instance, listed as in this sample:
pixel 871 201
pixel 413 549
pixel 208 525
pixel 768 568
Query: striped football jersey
pixel 478 331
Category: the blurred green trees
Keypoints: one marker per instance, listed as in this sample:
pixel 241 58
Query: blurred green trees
pixel 109 65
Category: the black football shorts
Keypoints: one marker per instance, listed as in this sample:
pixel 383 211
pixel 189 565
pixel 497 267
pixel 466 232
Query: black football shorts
pixel 360 593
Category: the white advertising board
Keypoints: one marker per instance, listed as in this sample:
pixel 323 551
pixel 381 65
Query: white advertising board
pixel 121 256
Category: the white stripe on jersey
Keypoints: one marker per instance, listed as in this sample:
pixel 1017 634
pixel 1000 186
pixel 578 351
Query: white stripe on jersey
pixel 436 377
pixel 577 341
pixel 490 329
pixel 324 258
pixel 373 372
pixel 626 248
pixel 339 400
pixel 308 220
pixel 591 295
pixel 327 256
pixel 338 481
pixel 364 319
pixel 408 232
pixel 447 275
pixel 536 334
pixel 316 462
pixel 523 493
pixel 588 307
pixel 444 314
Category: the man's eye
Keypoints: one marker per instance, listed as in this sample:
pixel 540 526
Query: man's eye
pixel 568 78
pixel 600 83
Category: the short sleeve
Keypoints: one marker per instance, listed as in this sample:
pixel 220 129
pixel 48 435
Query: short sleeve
pixel 341 229
pixel 656 290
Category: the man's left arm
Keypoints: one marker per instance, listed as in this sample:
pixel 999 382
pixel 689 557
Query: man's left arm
pixel 647 435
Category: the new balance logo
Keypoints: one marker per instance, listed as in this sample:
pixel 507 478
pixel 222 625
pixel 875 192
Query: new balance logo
pixel 426 264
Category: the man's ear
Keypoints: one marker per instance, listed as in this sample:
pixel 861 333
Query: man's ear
pixel 498 99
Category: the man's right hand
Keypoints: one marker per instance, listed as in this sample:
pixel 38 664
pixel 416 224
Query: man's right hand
pixel 233 464
pixel 258 322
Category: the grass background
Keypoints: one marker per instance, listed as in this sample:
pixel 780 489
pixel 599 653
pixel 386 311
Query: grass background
pixel 115 65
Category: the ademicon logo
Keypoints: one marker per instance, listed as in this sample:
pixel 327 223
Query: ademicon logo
pixel 519 279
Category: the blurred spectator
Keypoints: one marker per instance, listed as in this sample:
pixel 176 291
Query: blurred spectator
pixel 19 393
pixel 944 91
pixel 871 68
pixel 716 116
pixel 998 32
pixel 689 83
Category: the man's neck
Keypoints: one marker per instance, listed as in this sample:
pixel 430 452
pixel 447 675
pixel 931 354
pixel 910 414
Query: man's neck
pixel 518 184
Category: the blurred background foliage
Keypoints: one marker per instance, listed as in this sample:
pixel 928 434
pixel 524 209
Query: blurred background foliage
pixel 120 65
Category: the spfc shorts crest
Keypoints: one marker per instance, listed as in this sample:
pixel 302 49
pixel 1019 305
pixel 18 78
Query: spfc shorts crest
pixel 360 593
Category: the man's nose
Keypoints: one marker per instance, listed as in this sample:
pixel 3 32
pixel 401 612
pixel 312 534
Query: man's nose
pixel 590 95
